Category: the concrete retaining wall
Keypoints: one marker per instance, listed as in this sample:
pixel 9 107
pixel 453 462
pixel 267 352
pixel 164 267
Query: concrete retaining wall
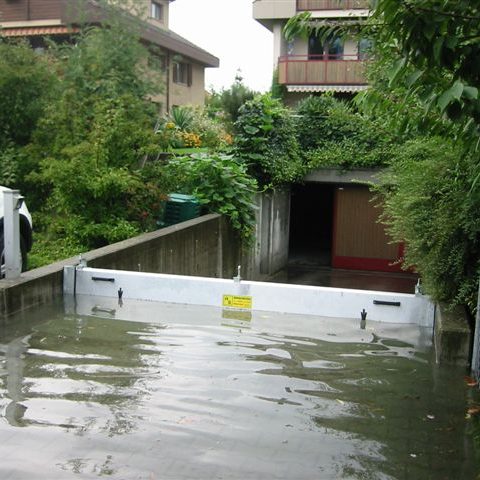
pixel 269 254
pixel 205 246
pixel 453 339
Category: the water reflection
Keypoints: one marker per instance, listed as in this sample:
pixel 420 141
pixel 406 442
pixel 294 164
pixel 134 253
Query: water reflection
pixel 73 362
pixel 384 394
pixel 126 390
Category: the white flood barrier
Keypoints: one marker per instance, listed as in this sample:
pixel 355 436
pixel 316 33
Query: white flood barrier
pixel 245 295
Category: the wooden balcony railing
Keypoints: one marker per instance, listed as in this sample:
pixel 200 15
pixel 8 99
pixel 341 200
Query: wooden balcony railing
pixel 312 5
pixel 321 70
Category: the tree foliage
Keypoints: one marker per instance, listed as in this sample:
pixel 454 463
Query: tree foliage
pixel 228 101
pixel 437 45
pixel 265 140
pixel 429 49
pixel 425 204
pixel 332 134
pixel 84 155
pixel 81 137
pixel 27 84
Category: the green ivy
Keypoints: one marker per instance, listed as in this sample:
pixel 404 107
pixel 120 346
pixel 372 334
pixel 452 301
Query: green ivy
pixel 265 140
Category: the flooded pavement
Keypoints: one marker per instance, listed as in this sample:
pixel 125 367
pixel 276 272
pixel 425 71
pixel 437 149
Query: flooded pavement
pixel 321 276
pixel 155 391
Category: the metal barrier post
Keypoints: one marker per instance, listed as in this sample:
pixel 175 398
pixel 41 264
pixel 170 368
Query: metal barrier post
pixel 12 201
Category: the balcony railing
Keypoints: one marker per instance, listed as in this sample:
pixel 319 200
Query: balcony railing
pixel 321 70
pixel 312 5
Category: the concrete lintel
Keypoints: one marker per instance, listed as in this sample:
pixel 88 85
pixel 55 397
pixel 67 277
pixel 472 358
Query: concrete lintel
pixel 334 175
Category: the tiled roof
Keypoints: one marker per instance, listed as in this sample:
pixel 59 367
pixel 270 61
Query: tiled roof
pixel 75 12
pixel 162 37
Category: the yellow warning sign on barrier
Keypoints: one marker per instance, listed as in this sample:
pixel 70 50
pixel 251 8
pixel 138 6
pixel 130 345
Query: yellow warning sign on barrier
pixel 237 301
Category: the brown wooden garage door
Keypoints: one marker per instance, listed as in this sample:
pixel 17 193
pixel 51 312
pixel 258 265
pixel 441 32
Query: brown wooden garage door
pixel 359 240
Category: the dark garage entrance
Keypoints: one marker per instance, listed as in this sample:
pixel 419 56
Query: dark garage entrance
pixel 311 224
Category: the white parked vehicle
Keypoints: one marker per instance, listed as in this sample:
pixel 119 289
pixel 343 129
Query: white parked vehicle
pixel 25 234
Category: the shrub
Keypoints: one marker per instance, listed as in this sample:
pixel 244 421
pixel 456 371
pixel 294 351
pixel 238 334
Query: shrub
pixel 190 126
pixel 265 140
pixel 331 133
pixel 431 203
pixel 222 184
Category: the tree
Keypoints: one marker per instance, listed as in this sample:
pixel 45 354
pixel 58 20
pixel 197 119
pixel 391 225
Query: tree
pixel 27 85
pixel 230 100
pixel 431 48
pixel 88 146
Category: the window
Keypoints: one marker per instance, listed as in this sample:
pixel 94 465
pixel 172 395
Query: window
pixel 364 47
pixel 330 49
pixel 182 73
pixel 156 11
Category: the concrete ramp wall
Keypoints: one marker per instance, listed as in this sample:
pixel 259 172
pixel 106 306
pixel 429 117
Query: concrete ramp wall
pixel 204 246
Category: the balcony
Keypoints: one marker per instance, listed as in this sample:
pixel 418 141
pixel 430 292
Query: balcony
pixel 321 70
pixel 313 5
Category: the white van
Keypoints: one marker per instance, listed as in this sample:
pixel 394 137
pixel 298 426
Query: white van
pixel 25 234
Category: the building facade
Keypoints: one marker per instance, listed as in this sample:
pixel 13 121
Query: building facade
pixel 181 63
pixel 307 65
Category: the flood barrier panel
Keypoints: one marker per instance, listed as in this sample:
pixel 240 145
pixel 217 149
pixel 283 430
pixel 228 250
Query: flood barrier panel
pixel 242 295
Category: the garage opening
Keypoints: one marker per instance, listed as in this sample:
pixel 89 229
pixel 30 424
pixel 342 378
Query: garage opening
pixel 311 224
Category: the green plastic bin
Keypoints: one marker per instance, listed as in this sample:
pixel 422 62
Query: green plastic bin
pixel 179 208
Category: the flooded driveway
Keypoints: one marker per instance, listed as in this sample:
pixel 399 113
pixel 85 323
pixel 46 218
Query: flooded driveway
pixel 154 391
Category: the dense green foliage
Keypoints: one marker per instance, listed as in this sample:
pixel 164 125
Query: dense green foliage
pixel 265 140
pixel 222 184
pixel 87 158
pixel 436 45
pixel 427 205
pixel 90 140
pixel 331 133
pixel 27 84
pixel 430 48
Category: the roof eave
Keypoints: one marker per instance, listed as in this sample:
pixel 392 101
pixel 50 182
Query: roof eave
pixel 164 38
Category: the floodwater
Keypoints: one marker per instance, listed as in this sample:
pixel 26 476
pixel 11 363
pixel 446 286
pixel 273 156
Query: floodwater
pixel 155 391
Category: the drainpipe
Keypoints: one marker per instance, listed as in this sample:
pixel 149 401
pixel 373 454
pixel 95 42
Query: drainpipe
pixel 167 86
pixel 12 202
pixel 476 340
